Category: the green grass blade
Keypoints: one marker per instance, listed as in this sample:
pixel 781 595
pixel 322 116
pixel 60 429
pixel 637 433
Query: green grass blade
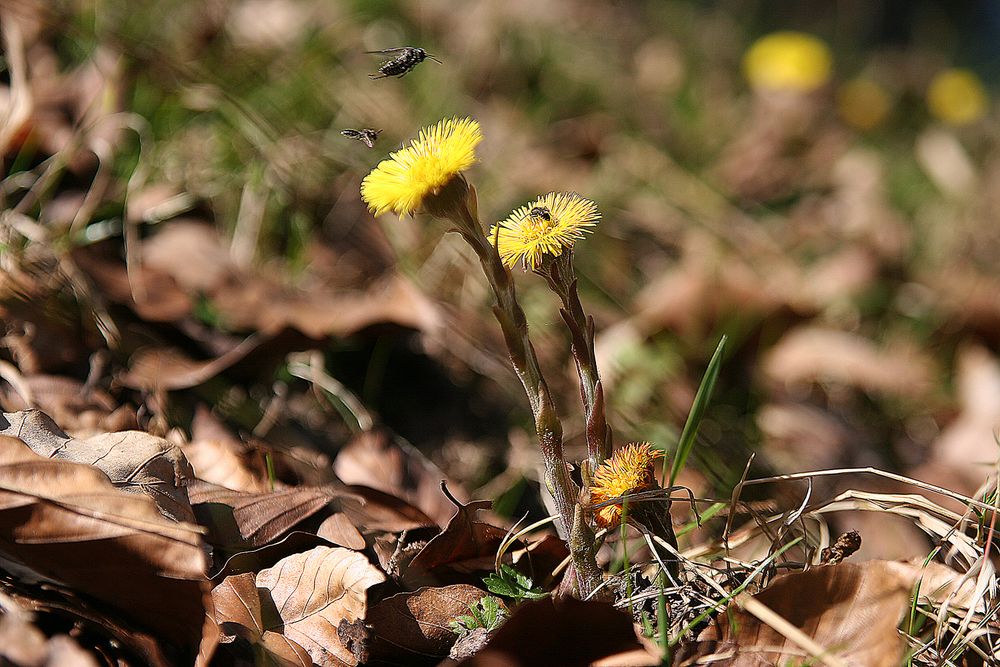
pixel 701 399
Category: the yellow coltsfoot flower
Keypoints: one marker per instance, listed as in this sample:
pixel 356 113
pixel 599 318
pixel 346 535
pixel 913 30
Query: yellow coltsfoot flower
pixel 410 176
pixel 957 97
pixel 788 61
pixel 547 226
pixel 629 470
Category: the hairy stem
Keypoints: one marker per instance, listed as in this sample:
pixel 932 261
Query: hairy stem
pixel 559 274
pixel 547 425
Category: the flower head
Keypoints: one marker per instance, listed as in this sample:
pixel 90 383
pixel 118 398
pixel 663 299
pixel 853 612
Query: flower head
pixel 410 175
pixel 629 470
pixel 957 97
pixel 546 226
pixel 863 103
pixel 787 60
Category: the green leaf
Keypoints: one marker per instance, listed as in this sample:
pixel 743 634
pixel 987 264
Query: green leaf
pixel 701 399
pixel 498 586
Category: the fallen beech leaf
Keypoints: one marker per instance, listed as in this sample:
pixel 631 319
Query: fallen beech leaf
pixel 218 457
pixel 66 522
pixel 239 613
pixel 79 410
pixel 383 512
pixel 465 546
pixel 813 354
pixel 337 528
pixel 267 307
pixel 23 645
pixel 968 442
pixel 157 297
pixel 377 460
pixel 134 461
pixel 579 633
pixel 412 628
pixel 850 610
pixel 313 592
pixel 238 518
pixel 164 368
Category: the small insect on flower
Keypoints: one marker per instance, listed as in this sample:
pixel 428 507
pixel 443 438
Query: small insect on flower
pixel 366 136
pixel 408 57
pixel 541 212
pixel 545 227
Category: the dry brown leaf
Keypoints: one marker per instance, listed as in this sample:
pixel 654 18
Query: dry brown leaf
pixel 156 297
pixel 66 522
pixel 383 512
pixel 569 633
pixel 813 354
pixel 165 368
pixel 850 610
pixel 23 645
pixel 134 461
pixel 376 460
pixel 239 613
pixel 314 592
pixel 220 458
pixel 238 518
pixel 965 450
pixel 412 628
pixel 80 410
pixel 464 547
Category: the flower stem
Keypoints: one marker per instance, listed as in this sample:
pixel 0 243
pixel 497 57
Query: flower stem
pixel 548 428
pixel 561 277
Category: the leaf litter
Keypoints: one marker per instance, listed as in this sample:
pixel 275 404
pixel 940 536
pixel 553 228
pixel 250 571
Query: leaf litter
pixel 277 533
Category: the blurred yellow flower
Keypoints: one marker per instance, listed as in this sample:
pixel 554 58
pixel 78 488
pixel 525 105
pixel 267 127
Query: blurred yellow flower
pixel 791 61
pixel 438 154
pixel 957 97
pixel 629 470
pixel 546 226
pixel 863 103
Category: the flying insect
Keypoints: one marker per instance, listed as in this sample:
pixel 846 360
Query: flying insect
pixel 399 65
pixel 366 136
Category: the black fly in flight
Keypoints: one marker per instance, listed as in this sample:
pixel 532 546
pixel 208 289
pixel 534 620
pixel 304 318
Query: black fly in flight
pixel 366 136
pixel 408 57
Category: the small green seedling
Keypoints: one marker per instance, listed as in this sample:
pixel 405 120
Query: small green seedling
pixel 488 613
pixel 510 583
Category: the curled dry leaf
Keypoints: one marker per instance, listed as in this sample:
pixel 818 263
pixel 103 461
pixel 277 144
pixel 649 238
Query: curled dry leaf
pixel 579 633
pixel 464 547
pixel 134 461
pixel 66 522
pixel 314 592
pixel 849 610
pixel 412 628
pixel 377 460
pixel 968 443
pixel 240 519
